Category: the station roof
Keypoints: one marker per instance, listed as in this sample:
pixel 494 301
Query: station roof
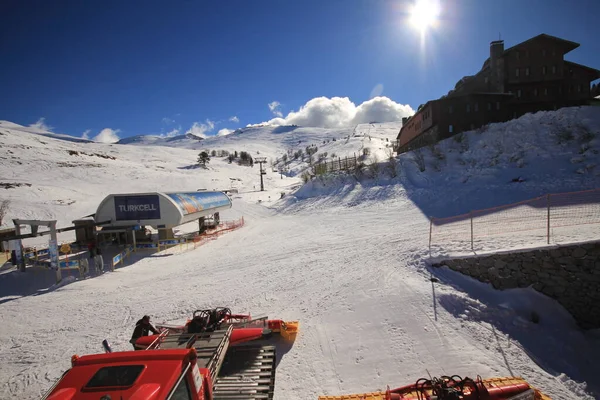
pixel 158 209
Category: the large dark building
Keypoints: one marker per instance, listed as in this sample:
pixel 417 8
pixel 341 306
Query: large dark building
pixel 528 77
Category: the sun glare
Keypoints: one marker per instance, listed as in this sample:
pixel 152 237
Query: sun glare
pixel 424 14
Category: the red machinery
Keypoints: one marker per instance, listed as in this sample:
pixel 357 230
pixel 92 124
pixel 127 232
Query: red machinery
pixel 454 388
pixel 203 361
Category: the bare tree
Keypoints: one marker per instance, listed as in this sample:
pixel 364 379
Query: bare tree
pixel 419 159
pixel 3 209
pixel 392 163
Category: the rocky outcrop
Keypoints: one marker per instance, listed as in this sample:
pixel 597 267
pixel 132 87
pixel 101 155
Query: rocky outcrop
pixel 569 274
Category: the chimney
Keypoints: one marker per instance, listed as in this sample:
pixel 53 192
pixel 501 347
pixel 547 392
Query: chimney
pixel 404 119
pixel 496 49
pixel 497 65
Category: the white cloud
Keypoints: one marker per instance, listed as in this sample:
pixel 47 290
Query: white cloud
pixel 338 112
pixel 172 133
pixel 201 129
pixel 167 121
pixel 86 134
pixel 234 119
pixel 107 135
pixel 225 132
pixel 274 107
pixel 41 124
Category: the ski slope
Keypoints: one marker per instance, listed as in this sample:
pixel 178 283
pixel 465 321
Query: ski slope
pixel 347 259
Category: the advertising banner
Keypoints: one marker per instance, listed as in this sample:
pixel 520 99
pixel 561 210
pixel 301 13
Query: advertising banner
pixel 135 208
pixel 193 202
pixel 53 252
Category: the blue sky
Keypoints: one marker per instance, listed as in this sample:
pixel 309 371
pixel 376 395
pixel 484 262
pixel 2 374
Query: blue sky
pixel 149 67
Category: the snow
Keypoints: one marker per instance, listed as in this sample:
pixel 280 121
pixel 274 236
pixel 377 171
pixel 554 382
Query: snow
pixel 346 257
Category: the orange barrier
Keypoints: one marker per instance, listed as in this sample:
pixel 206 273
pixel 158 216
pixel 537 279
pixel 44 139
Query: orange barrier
pixel 224 226
pixel 545 218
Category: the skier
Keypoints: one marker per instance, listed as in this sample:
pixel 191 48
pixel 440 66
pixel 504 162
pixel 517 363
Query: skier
pixel 142 328
pixel 98 262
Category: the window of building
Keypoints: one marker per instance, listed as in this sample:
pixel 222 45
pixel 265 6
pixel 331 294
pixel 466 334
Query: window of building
pixel 497 105
pixel 545 91
pixel 544 52
pixel 486 79
pixel 579 88
pixel 450 109
pixel 527 71
pixel 554 69
pixel 468 107
pixel 544 70
pixel 517 54
pixel 476 108
pixel 526 53
pixel 517 72
pixel 519 93
pixel 489 106
pixel 450 129
pixel 535 92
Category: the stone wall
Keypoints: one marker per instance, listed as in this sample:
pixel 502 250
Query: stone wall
pixel 569 274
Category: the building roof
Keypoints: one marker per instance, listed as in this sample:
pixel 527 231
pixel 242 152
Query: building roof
pixel 568 44
pixel 590 69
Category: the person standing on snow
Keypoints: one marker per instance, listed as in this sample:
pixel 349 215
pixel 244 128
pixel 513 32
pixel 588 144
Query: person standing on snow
pixel 142 328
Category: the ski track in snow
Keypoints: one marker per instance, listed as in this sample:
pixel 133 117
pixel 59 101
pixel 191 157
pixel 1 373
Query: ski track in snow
pixel 347 259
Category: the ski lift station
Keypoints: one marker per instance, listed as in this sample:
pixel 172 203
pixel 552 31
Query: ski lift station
pixel 162 211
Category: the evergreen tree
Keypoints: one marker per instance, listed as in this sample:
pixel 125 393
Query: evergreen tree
pixel 203 159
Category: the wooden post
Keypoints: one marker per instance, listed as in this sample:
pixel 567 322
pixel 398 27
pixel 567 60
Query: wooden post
pixel 548 224
pixel 340 162
pixel 471 214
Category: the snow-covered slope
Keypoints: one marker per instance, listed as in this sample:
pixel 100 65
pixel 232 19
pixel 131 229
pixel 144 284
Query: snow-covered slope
pixel 551 152
pixel 345 257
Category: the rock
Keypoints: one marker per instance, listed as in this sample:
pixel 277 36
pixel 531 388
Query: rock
pixel 548 290
pixel 564 260
pixel 499 264
pixel 509 283
pixel 515 266
pixel 590 246
pixel 555 253
pixel 579 252
pixel 538 286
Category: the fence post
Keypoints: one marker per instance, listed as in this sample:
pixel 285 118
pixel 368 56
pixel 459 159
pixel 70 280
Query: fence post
pixel 430 232
pixel 471 214
pixel 548 224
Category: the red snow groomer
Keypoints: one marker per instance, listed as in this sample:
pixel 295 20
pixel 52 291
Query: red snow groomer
pixel 253 329
pixel 210 357
pixel 454 388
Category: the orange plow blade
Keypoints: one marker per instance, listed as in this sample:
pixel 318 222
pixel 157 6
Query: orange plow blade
pixel 488 389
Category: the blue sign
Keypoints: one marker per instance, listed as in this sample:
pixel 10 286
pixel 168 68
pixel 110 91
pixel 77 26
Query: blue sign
pixel 190 203
pixel 117 258
pixel 135 208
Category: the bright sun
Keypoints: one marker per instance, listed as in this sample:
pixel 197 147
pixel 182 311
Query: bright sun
pixel 424 14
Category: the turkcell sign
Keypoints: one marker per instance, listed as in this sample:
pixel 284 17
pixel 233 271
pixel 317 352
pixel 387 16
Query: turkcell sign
pixel 136 208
